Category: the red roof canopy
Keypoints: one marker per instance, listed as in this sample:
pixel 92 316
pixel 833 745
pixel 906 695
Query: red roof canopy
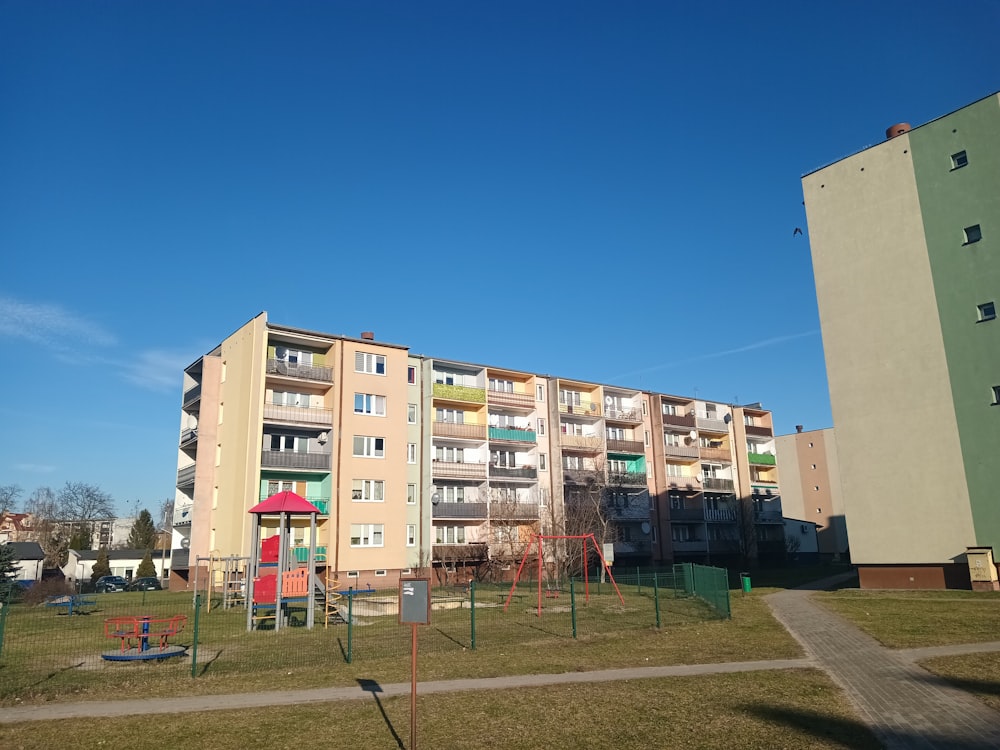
pixel 285 502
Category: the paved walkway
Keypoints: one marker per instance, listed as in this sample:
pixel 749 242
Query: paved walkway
pixel 907 707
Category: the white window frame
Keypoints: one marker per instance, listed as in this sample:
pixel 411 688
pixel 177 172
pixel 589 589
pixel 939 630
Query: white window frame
pixel 411 453
pixel 541 425
pixel 371 447
pixel 411 375
pixel 367 535
pixel 369 363
pixel 411 414
pixel 543 462
pixel 368 490
pixel 539 393
pixel 411 494
pixel 371 404
pixel 411 535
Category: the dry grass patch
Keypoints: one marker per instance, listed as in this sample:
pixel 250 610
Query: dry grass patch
pixel 795 709
pixel 977 674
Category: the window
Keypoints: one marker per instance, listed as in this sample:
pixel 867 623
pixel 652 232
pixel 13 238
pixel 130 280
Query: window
pixel 996 395
pixel 452 416
pixel 373 364
pixel 504 458
pixel 647 438
pixel 449 534
pixel 368 490
pixel 653 530
pixel 452 494
pixel 380 573
pixel 749 420
pixel 406 571
pixel 972 234
pixel 369 447
pixel 411 375
pixel 411 494
pixel 411 413
pixel 572 462
pixel 541 426
pixel 367 403
pixel 539 392
pixel 352 574
pixel 367 534
pixel 680 533
pixel 959 160
pixel 675 470
pixel 289 444
pixel 570 398
pixel 645 409
pixel 287 398
pixel 293 356
pixel 987 311
pixel 814 466
pixel 275 486
pixel 504 386
pixel 670 410
pixel 411 535
pixel 411 453
pixel 616 433
pixel 543 461
pixel 449 455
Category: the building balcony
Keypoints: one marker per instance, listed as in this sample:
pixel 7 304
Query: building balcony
pixel 682 451
pixel 690 546
pixel 581 442
pixel 191 398
pixel 720 515
pixel 523 401
pixel 634 512
pixel 632 548
pixel 583 409
pixel 299 371
pixel 771 485
pixel 512 434
pixel 767 516
pixel 189 439
pixel 717 483
pixel 514 511
pixel 634 447
pixel 632 416
pixel 711 424
pixel 321 502
pixel 759 431
pixel 185 476
pixel 717 454
pixel 509 472
pixel 687 514
pixel 458 553
pixel 298 414
pixel 462 393
pixel 724 546
pixel 452 470
pixel 679 420
pixel 582 476
pixel 295 460
pixel 461 431
pixel 761 459
pixel 459 510
pixel 627 478
pixel 689 484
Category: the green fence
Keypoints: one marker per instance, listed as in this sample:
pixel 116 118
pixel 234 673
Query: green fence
pixel 46 649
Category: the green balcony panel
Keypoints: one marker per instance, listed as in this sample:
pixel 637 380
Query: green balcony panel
pixel 762 459
pixel 504 433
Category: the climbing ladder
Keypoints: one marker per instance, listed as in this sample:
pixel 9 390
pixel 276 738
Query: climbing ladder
pixel 331 609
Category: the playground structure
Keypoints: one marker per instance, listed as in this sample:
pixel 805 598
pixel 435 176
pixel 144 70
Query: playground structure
pixel 549 592
pixel 275 582
pixel 135 635
pixel 226 575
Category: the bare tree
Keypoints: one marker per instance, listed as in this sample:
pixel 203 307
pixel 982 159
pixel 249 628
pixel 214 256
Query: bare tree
pixel 81 505
pixel 514 518
pixel 584 511
pixel 47 529
pixel 9 493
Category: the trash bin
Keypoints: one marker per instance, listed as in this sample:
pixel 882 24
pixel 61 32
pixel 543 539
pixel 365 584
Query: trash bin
pixel 745 580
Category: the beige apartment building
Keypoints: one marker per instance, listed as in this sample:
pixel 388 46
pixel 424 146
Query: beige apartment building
pixel 449 467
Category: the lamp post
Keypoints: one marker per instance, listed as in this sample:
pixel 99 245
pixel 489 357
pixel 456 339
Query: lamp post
pixel 167 533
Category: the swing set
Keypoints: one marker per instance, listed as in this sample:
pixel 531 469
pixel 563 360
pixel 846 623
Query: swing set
pixel 550 592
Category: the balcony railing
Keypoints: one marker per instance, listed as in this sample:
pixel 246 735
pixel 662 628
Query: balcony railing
pixel 582 442
pixel 767 516
pixel 690 545
pixel 683 483
pixel 453 470
pixel 513 434
pixel 295 460
pixel 626 446
pixel 459 510
pixel 512 511
pixel 185 476
pixel 711 424
pixel 460 393
pixel 515 400
pixel 301 553
pixel 684 451
pixel 634 512
pixel 302 414
pixel 627 478
pixel 717 454
pixel 716 483
pixel 189 438
pixel 725 515
pixel 296 370
pixel 583 409
pixel 581 476
pixel 759 431
pixel 321 502
pixel 457 553
pixel 461 431
pixel 761 459
pixel 191 395
pixel 633 416
pixel 509 472
pixel 679 420
pixel 632 548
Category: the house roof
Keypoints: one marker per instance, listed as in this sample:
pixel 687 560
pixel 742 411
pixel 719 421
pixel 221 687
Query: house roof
pixel 15 521
pixel 117 554
pixel 284 502
pixel 27 550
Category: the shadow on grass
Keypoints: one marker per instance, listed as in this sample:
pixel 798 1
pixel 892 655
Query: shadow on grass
pixel 454 640
pixel 969 685
pixel 835 731
pixel 203 666
pixel 372 686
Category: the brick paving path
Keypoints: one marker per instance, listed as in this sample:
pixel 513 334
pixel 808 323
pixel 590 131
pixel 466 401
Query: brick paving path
pixel 905 705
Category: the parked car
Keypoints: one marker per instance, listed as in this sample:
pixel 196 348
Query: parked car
pixel 145 584
pixel 107 584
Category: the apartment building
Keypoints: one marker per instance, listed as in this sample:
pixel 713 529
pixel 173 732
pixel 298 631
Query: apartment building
pixel 421 463
pixel 904 240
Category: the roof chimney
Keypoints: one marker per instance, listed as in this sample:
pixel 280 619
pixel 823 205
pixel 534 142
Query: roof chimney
pixel 798 428
pixel 368 335
pixel 898 129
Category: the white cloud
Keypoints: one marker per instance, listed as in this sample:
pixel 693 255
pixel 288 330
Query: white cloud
pixel 157 370
pixel 35 468
pixel 49 325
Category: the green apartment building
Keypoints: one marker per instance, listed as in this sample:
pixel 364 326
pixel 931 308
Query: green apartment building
pixel 905 239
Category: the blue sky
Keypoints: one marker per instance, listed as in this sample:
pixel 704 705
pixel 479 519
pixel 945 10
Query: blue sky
pixel 605 191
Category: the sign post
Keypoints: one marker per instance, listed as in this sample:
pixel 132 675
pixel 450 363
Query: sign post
pixel 415 609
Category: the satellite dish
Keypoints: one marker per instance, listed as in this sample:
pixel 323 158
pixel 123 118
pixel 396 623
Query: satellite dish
pixel 728 418
pixel 185 543
pixel 435 498
pixel 608 400
pixel 645 527
pixel 693 434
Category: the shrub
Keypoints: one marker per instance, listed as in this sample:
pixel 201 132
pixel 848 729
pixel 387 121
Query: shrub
pixel 39 591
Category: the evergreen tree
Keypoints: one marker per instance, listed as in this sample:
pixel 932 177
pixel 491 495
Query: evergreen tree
pixel 143 532
pixel 101 567
pixel 8 574
pixel 146 568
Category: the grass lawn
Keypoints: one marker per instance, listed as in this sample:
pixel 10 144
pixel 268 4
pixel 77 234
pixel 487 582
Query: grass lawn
pixel 796 709
pixel 979 674
pixel 913 619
